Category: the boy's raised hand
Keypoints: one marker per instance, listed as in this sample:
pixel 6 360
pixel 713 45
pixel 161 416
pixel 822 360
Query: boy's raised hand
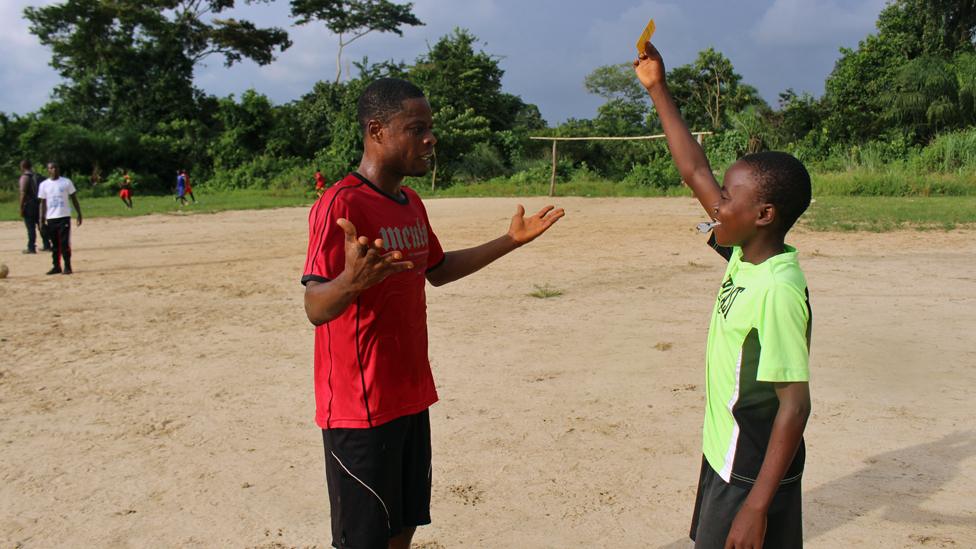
pixel 366 264
pixel 649 67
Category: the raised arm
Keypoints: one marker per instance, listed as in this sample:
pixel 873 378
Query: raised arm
pixel 366 266
pixel 687 153
pixel 460 263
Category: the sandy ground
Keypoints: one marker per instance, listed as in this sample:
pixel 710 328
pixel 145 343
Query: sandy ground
pixel 162 396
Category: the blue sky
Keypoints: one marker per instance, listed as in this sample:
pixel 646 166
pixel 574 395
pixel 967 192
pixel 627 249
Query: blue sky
pixel 546 47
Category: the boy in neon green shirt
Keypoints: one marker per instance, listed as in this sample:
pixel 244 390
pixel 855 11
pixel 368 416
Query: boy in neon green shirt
pixel 757 356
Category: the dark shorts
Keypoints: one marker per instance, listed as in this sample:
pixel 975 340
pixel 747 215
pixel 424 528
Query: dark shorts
pixel 718 502
pixel 379 480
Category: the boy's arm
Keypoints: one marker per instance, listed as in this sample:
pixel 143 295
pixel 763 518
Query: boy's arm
pixel 366 266
pixel 460 263
pixel 43 211
pixel 749 527
pixel 687 153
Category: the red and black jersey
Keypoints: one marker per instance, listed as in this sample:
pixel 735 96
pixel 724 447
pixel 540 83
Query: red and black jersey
pixel 371 363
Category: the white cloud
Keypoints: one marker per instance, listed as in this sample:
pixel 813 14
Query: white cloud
pixel 24 65
pixel 815 22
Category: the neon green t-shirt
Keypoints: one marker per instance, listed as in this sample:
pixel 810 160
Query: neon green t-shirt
pixel 759 334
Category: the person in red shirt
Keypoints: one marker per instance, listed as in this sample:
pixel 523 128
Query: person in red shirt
pixel 319 183
pixel 188 189
pixel 371 252
pixel 125 189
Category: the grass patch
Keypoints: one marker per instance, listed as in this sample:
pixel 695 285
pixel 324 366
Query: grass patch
pixel 834 209
pixel 884 213
pixel 206 203
pixel 545 292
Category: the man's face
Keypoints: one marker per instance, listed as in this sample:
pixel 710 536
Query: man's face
pixel 408 140
pixel 738 208
pixel 52 171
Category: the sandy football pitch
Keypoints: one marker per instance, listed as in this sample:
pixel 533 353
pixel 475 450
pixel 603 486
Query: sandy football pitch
pixel 162 395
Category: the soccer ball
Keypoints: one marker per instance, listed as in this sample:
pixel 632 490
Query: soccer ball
pixel 4 271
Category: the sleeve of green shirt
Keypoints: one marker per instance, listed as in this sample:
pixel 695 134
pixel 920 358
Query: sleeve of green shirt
pixel 784 336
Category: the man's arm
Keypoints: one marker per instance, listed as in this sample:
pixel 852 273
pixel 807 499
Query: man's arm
pixel 687 153
pixel 77 205
pixel 460 263
pixel 366 266
pixel 749 527
pixel 43 211
pixel 22 183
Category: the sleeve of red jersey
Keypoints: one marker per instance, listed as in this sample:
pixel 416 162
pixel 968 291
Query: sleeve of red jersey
pixel 326 242
pixel 435 254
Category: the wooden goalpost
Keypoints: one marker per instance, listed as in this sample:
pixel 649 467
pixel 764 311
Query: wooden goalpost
pixel 552 179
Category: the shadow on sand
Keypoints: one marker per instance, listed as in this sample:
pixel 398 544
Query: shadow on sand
pixel 898 483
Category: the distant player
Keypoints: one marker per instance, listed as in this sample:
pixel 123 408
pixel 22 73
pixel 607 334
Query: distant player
pixel 125 189
pixel 54 193
pixel 181 188
pixel 189 189
pixel 371 252
pixel 319 183
pixel 757 398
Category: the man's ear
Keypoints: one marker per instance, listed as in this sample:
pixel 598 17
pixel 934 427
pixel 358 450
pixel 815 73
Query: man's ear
pixel 374 131
pixel 766 215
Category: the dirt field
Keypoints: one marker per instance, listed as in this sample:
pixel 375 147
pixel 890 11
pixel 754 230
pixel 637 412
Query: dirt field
pixel 162 395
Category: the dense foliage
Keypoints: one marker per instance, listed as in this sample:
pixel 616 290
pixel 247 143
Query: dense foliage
pixel 905 98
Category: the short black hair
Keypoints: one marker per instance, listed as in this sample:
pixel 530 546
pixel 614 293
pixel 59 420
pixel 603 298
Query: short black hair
pixel 25 165
pixel 383 98
pixel 783 181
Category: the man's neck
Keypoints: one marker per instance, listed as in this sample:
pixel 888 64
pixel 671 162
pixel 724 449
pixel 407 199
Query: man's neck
pixel 384 179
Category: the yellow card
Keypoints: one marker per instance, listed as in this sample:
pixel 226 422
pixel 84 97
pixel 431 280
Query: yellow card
pixel 645 36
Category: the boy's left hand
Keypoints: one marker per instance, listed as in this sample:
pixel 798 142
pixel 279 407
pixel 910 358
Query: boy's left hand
pixel 748 529
pixel 526 229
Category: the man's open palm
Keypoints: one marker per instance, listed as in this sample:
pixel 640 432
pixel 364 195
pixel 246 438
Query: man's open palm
pixel 526 229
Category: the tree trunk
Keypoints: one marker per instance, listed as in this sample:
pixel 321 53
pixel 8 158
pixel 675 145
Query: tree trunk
pixel 339 60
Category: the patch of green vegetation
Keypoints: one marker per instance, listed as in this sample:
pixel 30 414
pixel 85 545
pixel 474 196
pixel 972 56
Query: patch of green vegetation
pixel 883 213
pixel 544 291
pixel 112 206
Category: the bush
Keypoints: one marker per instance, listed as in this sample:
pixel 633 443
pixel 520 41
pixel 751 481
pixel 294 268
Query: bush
pixel 482 162
pixel 950 152
pixel 262 172
pixel 659 173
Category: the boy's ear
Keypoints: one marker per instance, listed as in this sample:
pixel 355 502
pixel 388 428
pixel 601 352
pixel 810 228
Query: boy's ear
pixel 766 215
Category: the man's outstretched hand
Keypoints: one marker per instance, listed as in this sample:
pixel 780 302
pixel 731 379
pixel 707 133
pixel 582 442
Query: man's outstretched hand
pixel 366 264
pixel 649 67
pixel 526 229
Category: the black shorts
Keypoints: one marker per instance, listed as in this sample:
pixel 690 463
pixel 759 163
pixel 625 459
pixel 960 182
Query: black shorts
pixel 718 502
pixel 379 480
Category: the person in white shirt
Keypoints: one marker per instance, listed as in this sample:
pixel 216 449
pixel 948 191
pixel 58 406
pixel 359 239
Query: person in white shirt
pixel 54 193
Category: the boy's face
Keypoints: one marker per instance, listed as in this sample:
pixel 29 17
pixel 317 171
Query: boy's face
pixel 739 208
pixel 406 140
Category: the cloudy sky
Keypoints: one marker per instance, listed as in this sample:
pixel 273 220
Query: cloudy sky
pixel 546 47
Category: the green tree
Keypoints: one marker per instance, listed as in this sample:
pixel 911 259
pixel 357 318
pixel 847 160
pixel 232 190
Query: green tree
pixel 626 109
pixel 354 18
pixel 465 91
pixel 709 90
pixel 131 61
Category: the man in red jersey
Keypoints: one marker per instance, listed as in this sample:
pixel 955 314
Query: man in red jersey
pixel 371 251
